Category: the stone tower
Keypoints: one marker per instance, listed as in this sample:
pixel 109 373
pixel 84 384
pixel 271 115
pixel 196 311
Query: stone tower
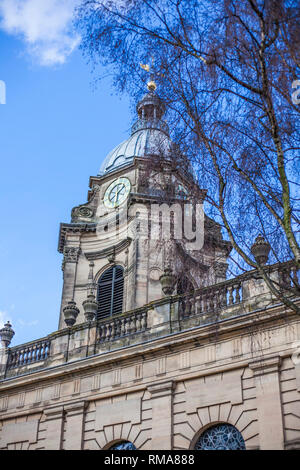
pixel 156 349
pixel 142 181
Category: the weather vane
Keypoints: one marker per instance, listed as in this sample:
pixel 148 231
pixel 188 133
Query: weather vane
pixel 151 85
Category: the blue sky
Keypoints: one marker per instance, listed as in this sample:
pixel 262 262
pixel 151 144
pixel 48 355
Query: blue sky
pixel 56 128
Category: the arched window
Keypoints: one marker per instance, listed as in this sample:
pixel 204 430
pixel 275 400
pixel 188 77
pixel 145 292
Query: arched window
pixel 221 437
pixel 123 445
pixel 110 292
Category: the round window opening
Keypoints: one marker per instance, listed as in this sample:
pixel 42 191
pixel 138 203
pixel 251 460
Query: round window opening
pixel 221 437
pixel 124 445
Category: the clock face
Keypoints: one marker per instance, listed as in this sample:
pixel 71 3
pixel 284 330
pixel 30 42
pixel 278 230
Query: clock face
pixel 117 192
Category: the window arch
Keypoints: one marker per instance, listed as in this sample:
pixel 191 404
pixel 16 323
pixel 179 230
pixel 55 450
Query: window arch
pixel 221 437
pixel 123 445
pixel 110 292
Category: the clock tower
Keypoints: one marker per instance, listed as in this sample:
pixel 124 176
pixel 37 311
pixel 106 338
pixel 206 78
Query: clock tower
pixel 114 253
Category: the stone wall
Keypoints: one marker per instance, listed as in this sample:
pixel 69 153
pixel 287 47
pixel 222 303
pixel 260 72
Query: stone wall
pixel 164 393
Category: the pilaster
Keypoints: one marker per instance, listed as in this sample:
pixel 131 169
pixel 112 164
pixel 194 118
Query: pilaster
pixel 69 266
pixel 54 427
pixel 268 398
pixel 162 415
pixel 74 421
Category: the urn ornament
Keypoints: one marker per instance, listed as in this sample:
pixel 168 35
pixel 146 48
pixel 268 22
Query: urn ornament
pixel 90 306
pixel 260 250
pixel 167 280
pixel 71 313
pixel 6 334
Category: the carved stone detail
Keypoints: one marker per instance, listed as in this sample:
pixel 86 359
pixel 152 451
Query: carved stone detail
pixel 81 211
pixel 71 254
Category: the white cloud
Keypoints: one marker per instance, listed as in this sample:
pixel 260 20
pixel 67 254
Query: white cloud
pixel 24 323
pixel 44 25
pixel 4 317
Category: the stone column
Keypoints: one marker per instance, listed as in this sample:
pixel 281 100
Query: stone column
pixel 54 427
pixel 162 415
pixel 268 398
pixel 74 421
pixel 69 265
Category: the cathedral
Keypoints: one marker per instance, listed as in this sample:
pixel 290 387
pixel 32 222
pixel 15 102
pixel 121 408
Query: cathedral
pixel 156 349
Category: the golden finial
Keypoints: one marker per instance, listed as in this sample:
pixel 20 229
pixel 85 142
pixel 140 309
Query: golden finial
pixel 145 67
pixel 151 85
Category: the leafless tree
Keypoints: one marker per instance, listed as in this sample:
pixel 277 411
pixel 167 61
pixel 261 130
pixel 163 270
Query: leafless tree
pixel 225 69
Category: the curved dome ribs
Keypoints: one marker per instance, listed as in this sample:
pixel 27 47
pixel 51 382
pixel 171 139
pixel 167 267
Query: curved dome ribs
pixel 149 135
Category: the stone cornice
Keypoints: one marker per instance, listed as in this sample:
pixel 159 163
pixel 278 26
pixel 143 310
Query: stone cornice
pixel 72 228
pixel 114 249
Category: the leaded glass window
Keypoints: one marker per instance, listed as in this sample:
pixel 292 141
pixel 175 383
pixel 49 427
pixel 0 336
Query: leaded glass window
pixel 110 292
pixel 221 437
pixel 124 445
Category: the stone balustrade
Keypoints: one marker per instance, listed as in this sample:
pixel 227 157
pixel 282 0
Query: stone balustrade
pixel 120 326
pixel 210 299
pixel 207 305
pixel 29 354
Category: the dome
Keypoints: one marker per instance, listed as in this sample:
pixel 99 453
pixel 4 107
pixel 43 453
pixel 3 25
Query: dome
pixel 149 136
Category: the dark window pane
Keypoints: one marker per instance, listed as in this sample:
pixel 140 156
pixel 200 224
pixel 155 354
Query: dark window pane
pixel 110 292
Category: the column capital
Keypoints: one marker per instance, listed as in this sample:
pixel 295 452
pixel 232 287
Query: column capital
pixel 71 254
pixel 54 412
pixel 77 408
pixel 265 366
pixel 161 389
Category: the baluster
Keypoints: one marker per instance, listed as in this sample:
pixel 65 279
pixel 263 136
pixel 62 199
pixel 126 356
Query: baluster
pixel 117 328
pixel 144 321
pixel 107 336
pixel 225 297
pixel 24 357
pixel 101 333
pixel 36 352
pixel 44 351
pixel 112 330
pixel 29 352
pixel 230 288
pixel 123 328
pixel 138 321
pixel 133 323
pixel 20 357
pixel 127 326
pixel 237 294
pixel 15 358
pixel 198 306
pixel 39 352
pixel 48 349
pixel 21 361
